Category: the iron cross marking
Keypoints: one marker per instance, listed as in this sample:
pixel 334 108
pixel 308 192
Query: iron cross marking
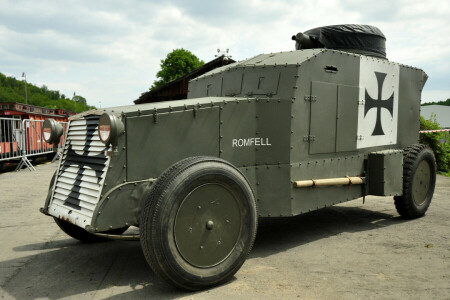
pixel 378 104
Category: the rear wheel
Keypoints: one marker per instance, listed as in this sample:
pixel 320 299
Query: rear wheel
pixel 419 179
pixel 198 223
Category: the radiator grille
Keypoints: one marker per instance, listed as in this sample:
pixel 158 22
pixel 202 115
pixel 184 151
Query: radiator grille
pixel 81 173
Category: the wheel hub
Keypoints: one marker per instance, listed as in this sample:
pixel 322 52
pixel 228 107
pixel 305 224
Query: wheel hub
pixel 207 225
pixel 421 182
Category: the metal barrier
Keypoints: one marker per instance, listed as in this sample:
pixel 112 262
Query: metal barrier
pixel 446 136
pixel 11 140
pixel 34 143
pixel 23 139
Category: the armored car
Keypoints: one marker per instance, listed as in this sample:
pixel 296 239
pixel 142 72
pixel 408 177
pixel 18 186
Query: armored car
pixel 276 135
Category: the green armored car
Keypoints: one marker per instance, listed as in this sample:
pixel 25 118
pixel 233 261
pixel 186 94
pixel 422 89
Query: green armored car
pixel 276 135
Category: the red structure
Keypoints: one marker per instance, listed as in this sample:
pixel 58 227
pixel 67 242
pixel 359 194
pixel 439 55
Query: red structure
pixel 24 111
pixel 11 131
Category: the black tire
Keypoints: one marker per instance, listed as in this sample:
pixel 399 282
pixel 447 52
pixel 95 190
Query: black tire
pixel 82 235
pixel 419 180
pixel 77 232
pixel 172 237
pixel 50 156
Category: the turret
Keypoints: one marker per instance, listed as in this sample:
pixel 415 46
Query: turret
pixel 360 39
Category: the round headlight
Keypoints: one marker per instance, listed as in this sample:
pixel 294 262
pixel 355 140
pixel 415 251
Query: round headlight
pixel 104 132
pixel 109 128
pixel 52 131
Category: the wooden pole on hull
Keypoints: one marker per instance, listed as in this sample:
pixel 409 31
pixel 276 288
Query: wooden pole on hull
pixel 329 182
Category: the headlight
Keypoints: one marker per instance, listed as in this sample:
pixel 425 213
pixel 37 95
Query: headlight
pixel 104 131
pixel 52 131
pixel 109 129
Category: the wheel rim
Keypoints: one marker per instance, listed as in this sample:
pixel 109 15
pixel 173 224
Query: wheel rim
pixel 207 225
pixel 421 182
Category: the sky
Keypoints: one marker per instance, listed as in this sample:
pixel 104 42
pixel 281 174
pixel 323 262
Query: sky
pixel 110 51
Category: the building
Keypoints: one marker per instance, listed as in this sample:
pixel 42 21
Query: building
pixel 442 113
pixel 178 89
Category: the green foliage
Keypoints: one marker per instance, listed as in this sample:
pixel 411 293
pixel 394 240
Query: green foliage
pixel 434 141
pixel 13 90
pixel 178 63
pixel 446 103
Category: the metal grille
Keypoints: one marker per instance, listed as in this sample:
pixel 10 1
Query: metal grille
pixel 81 173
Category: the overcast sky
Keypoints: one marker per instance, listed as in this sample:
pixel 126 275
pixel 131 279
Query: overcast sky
pixel 110 51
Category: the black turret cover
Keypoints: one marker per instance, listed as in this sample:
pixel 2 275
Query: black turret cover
pixel 365 39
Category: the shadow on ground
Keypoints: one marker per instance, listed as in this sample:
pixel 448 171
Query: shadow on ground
pixel 11 165
pixel 68 268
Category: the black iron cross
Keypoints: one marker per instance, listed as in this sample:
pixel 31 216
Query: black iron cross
pixel 379 103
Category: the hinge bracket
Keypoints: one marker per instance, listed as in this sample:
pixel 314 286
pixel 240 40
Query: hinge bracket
pixel 309 138
pixel 310 98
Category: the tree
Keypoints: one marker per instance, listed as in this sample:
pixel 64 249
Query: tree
pixel 79 99
pixel 12 90
pixel 434 141
pixel 446 102
pixel 177 63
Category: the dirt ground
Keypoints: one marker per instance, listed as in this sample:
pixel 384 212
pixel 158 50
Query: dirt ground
pixel 350 251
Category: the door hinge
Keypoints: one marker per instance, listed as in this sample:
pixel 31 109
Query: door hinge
pixel 310 98
pixel 309 138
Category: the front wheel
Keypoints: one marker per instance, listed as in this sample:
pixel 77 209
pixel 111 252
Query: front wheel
pixel 419 179
pixel 82 235
pixel 198 223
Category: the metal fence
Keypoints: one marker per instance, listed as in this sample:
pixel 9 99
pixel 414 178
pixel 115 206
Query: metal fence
pixel 10 139
pixel 34 143
pixel 24 139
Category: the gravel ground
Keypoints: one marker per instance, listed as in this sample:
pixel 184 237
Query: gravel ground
pixel 351 251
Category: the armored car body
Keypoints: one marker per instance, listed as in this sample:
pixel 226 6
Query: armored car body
pixel 276 135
